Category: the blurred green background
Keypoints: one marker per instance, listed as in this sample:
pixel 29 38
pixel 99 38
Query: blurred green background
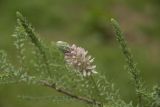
pixel 87 24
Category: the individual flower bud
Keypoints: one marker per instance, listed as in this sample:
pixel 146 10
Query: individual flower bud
pixel 63 46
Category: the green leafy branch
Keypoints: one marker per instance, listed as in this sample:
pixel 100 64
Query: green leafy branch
pixel 132 68
pixel 141 91
pixel 49 68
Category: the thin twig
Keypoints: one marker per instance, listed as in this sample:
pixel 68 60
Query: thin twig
pixel 80 98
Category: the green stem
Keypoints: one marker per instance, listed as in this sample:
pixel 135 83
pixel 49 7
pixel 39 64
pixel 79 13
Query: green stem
pixel 132 68
pixel 35 40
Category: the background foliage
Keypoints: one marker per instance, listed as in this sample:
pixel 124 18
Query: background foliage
pixel 86 23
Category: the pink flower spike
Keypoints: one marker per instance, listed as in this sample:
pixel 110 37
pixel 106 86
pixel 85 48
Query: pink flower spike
pixel 79 59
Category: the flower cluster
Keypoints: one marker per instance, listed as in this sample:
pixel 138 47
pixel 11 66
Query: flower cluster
pixel 79 59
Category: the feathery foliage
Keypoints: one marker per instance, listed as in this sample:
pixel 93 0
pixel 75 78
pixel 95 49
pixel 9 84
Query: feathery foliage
pixel 46 65
pixel 134 72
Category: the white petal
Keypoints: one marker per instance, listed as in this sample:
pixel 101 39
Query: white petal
pixel 94 66
pixel 93 71
pixel 91 60
pixel 89 57
pixel 84 73
pixel 91 67
pixel 86 52
pixel 73 46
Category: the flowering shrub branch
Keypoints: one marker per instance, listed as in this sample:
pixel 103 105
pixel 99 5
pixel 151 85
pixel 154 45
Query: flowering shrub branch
pixel 68 69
